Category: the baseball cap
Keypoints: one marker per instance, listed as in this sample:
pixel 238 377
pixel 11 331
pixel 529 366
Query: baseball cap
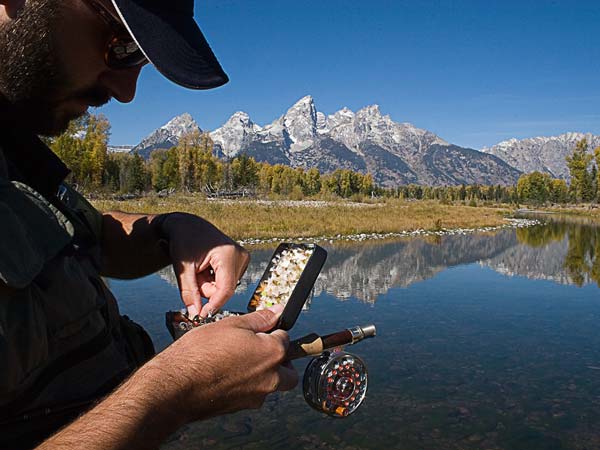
pixel 168 35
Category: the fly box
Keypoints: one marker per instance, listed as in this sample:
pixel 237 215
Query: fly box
pixel 288 280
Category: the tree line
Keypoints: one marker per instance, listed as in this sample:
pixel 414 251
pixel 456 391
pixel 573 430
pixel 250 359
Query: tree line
pixel 191 166
pixel 540 188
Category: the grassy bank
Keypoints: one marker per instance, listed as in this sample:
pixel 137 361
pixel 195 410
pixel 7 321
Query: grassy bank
pixel 286 219
pixel 587 210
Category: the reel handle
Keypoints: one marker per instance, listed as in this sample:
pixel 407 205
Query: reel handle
pixel 313 344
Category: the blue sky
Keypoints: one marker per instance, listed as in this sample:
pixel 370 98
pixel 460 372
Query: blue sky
pixel 473 72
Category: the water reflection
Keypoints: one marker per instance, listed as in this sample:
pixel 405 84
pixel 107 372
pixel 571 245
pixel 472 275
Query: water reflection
pixel 566 253
pixel 474 351
pixel 581 257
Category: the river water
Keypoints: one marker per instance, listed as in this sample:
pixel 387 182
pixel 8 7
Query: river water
pixel 485 341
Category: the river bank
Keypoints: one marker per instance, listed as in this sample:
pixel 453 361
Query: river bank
pixel 510 223
pixel 264 221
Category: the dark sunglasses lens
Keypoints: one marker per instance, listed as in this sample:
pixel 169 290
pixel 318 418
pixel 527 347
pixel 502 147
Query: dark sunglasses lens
pixel 123 54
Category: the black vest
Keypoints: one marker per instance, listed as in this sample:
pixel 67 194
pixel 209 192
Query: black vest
pixel 63 343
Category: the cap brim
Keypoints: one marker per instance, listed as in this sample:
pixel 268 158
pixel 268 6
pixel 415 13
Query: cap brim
pixel 174 44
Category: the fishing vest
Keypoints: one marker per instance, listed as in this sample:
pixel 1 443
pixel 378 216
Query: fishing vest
pixel 63 343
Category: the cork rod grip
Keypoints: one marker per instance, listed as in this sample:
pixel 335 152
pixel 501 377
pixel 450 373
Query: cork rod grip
pixel 309 345
pixel 313 344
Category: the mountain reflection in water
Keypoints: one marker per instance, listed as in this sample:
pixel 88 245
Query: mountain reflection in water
pixel 485 341
pixel 556 251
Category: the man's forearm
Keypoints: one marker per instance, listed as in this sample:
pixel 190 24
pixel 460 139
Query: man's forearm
pixel 138 415
pixel 131 245
pixel 212 370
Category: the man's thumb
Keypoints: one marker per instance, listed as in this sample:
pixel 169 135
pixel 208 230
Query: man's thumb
pixel 261 321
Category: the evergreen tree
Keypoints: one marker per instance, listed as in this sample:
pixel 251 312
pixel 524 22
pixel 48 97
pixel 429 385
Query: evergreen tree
pixel 593 184
pixel 244 171
pixel 578 163
pixel 597 161
pixel 160 180
pixel 133 174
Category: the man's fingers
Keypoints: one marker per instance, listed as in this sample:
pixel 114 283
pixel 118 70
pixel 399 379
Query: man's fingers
pixel 188 287
pixel 259 321
pixel 207 288
pixel 216 300
pixel 228 263
pixel 282 337
pixel 192 310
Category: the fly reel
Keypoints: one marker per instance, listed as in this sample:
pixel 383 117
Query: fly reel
pixel 335 383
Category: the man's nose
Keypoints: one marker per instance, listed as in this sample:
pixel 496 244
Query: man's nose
pixel 121 83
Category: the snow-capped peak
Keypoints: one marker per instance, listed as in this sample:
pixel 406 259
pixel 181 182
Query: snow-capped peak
pixel 180 125
pixel 302 114
pixel 300 123
pixel 369 111
pixel 168 135
pixel 237 132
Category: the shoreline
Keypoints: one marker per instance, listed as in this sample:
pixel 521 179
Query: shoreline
pixel 365 237
pixel 256 222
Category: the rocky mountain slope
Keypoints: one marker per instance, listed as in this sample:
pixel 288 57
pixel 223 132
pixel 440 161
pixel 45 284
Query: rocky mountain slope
pixel 365 141
pixel 544 154
pixel 167 136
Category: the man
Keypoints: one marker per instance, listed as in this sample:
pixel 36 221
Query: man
pixel 63 344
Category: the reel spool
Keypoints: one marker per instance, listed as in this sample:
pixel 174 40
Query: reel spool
pixel 335 383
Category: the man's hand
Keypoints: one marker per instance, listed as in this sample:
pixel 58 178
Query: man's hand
pixel 207 263
pixel 241 362
pixel 214 369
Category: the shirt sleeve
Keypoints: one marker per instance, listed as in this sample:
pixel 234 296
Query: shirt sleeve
pixel 33 232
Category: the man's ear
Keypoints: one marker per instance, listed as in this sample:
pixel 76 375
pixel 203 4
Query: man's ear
pixel 12 7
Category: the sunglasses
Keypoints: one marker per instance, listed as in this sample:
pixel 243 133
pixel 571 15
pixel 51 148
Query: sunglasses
pixel 121 52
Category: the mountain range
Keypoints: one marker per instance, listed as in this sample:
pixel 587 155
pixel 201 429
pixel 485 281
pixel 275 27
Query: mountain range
pixel 368 141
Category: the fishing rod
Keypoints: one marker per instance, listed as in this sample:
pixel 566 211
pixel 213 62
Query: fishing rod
pixel 313 344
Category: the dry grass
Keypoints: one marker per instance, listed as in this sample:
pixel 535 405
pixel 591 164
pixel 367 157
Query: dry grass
pixel 255 219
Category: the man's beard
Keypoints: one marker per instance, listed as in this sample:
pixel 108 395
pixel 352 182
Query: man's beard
pixel 32 76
